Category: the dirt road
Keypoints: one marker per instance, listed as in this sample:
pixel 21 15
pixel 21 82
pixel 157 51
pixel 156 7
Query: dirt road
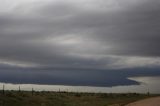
pixel 147 102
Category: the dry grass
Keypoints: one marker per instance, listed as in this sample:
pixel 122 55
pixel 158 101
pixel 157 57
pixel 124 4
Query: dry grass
pixel 23 98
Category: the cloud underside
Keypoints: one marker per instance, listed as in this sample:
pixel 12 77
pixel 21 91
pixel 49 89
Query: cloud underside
pixel 79 35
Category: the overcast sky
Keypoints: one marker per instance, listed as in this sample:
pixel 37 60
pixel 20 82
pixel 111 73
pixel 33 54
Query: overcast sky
pixel 39 37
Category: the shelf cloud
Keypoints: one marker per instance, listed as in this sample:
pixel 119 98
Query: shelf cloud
pixel 79 35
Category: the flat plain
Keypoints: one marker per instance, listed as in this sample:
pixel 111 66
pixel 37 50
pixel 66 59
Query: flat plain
pixel 29 98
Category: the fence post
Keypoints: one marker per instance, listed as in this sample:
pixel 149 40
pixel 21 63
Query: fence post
pixel 3 89
pixel 32 91
pixel 19 89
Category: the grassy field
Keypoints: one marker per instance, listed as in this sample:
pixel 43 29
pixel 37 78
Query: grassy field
pixel 26 98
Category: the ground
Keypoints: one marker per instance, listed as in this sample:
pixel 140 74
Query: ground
pixel 147 102
pixel 24 98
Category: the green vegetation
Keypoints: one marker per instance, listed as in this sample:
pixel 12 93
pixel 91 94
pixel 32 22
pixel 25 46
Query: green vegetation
pixel 26 98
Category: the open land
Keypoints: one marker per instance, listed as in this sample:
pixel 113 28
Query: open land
pixel 32 98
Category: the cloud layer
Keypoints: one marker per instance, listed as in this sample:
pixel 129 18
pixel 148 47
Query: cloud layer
pixel 79 34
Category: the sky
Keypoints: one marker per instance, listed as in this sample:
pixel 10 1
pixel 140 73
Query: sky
pixel 79 42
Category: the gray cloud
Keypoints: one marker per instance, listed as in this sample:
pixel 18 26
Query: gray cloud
pixel 80 35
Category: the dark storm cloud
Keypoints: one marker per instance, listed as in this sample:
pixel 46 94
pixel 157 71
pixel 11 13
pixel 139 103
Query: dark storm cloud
pixel 79 35
pixel 76 78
